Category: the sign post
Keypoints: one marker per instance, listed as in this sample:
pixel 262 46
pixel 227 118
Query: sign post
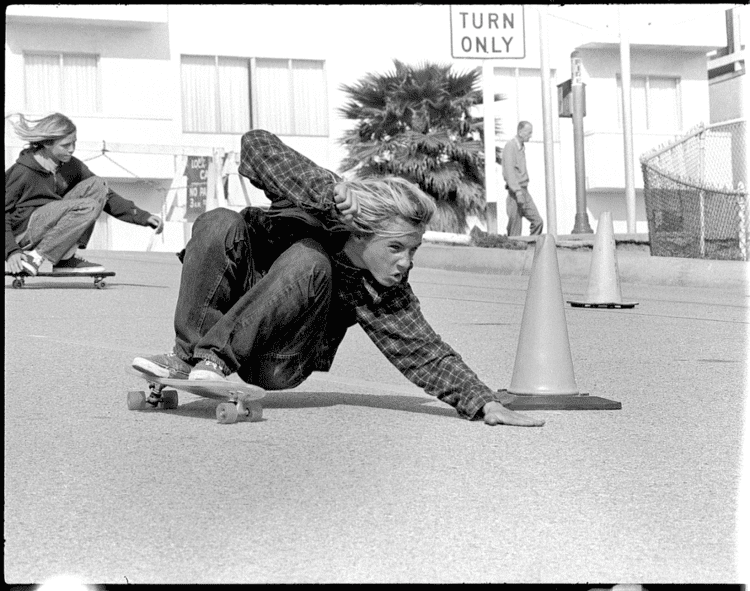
pixel 488 32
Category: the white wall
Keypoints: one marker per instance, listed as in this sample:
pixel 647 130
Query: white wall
pixel 728 98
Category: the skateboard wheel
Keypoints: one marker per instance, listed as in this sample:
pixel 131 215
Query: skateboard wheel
pixel 253 411
pixel 100 284
pixel 226 413
pixel 169 399
pixel 136 400
pixel 17 283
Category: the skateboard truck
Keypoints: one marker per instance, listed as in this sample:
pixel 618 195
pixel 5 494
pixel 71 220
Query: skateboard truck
pixel 158 397
pixel 239 408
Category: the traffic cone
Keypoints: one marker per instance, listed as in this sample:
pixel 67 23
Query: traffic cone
pixel 543 376
pixel 604 278
pixel 543 362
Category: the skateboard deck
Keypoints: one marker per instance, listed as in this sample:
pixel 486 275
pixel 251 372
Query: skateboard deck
pixel 238 402
pixel 19 279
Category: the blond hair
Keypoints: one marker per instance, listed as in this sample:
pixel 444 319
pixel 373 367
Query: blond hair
pixel 383 200
pixel 38 132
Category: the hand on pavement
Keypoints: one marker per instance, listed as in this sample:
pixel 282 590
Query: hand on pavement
pixel 496 414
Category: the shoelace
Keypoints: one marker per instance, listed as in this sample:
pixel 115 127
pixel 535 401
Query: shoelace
pixel 216 367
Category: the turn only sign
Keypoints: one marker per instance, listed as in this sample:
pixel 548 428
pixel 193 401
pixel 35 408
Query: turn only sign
pixel 487 32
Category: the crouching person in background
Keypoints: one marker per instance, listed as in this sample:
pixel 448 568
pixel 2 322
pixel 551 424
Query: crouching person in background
pixel 52 200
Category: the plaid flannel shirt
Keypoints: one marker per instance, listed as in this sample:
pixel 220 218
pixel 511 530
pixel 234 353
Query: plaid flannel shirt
pixel 390 316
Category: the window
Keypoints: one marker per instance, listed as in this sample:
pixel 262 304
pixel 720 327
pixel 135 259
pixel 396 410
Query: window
pixel 522 89
pixel 232 95
pixel 655 103
pixel 215 94
pixel 64 82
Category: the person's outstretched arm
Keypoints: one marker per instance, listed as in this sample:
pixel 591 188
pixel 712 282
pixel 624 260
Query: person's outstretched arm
pixel 124 209
pixel 403 335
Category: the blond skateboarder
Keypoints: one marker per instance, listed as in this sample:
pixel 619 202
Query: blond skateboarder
pixel 270 294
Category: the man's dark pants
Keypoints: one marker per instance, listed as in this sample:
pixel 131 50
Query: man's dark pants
pixel 518 206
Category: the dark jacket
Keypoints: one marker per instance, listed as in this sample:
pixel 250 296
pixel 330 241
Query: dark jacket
pixel 28 186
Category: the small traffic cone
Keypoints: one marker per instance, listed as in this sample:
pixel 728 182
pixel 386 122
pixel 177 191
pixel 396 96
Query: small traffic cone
pixel 543 377
pixel 543 361
pixel 604 278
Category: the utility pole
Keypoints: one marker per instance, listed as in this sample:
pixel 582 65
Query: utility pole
pixel 490 183
pixel 581 225
pixel 549 145
pixel 627 121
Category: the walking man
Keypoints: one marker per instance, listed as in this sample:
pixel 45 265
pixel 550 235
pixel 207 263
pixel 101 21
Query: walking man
pixel 519 203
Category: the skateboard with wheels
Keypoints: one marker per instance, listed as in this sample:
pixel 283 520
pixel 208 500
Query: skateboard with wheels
pixel 19 279
pixel 238 402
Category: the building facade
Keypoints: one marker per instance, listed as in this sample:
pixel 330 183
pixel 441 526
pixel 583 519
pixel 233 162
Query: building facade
pixel 150 86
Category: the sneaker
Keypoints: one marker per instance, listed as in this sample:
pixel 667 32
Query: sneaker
pixel 30 264
pixel 76 265
pixel 167 365
pixel 207 370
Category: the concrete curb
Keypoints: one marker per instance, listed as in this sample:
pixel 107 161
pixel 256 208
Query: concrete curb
pixel 634 267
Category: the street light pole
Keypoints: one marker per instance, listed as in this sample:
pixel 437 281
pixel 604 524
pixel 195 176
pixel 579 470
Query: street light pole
pixel 490 183
pixel 581 225
pixel 627 123
pixel 549 152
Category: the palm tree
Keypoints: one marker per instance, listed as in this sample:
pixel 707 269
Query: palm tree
pixel 416 123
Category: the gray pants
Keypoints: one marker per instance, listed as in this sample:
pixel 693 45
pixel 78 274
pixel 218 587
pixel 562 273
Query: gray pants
pixel 521 206
pixel 57 227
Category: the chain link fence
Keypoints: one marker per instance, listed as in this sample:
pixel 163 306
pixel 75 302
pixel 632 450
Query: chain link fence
pixel 695 189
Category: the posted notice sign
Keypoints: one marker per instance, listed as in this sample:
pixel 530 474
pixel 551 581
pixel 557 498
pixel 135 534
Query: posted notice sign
pixel 196 172
pixel 488 32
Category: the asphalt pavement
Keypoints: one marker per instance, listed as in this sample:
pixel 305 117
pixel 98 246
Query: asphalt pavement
pixel 357 476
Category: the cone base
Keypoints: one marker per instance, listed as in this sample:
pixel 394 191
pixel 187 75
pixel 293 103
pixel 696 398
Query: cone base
pixel 557 402
pixel 603 304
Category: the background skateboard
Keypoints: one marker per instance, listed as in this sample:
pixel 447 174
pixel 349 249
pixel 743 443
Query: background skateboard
pixel 19 279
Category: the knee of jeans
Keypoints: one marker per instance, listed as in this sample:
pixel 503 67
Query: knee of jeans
pixel 88 206
pixel 95 187
pixel 309 256
pixel 279 377
pixel 95 182
pixel 220 223
pixel 220 215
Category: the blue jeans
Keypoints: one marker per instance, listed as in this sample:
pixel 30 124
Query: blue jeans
pixel 264 323
pixel 55 228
